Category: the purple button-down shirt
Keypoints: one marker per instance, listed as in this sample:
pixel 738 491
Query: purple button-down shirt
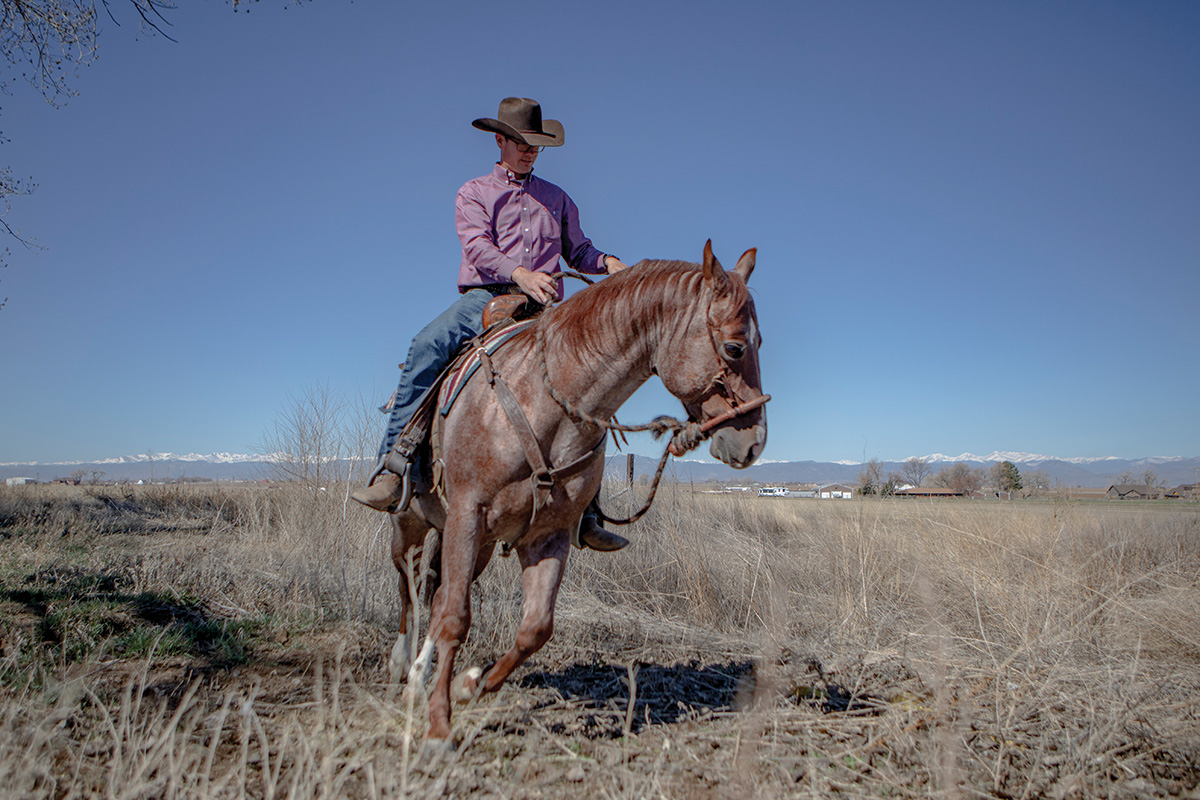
pixel 504 223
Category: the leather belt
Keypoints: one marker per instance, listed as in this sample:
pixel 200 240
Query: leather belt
pixel 495 289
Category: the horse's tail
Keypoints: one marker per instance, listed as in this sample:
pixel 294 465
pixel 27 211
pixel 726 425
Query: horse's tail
pixel 431 566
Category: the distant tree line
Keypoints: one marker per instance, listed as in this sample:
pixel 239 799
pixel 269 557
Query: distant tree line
pixel 958 477
pixel 1146 477
pixel 961 477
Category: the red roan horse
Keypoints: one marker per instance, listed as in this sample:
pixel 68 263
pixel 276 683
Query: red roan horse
pixel 692 325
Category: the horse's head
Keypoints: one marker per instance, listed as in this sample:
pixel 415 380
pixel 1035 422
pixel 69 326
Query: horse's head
pixel 714 369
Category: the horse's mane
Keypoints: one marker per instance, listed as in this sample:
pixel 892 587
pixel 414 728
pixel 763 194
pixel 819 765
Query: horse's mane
pixel 633 299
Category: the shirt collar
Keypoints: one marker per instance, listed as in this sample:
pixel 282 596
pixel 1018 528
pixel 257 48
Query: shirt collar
pixel 506 176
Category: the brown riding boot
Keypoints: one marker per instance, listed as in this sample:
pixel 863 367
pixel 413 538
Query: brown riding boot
pixel 389 491
pixel 593 537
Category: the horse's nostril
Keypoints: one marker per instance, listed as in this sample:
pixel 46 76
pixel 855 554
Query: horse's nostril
pixel 738 449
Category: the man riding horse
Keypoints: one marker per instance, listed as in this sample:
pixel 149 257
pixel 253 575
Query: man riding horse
pixel 514 228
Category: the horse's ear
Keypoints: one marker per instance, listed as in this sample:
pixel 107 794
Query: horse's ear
pixel 714 273
pixel 745 264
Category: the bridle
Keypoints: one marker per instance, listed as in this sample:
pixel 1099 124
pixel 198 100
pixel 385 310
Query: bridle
pixel 718 385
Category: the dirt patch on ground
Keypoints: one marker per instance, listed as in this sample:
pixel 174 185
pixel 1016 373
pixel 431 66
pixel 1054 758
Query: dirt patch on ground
pixel 724 727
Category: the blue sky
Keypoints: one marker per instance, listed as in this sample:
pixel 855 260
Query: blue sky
pixel 978 223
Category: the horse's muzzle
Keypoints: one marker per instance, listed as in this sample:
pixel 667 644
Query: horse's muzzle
pixel 739 448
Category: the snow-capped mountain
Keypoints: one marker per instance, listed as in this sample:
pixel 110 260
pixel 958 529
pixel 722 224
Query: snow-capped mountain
pixel 1064 471
pixel 149 466
pixel 210 458
pixel 997 456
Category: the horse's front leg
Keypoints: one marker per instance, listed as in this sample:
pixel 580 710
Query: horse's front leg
pixel 408 536
pixel 450 618
pixel 542 568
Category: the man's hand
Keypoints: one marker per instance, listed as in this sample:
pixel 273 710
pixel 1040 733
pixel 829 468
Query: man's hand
pixel 614 264
pixel 538 285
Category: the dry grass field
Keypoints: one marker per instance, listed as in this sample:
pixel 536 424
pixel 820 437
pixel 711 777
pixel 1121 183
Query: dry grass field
pixel 231 641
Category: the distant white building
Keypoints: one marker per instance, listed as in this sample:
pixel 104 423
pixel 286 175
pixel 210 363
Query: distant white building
pixel 773 491
pixel 835 491
pixel 19 481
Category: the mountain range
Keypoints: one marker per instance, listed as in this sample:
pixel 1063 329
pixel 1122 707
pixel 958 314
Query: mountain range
pixel 1089 472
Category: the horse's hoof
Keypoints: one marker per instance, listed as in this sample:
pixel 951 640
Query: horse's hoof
pixel 418 673
pixel 398 674
pixel 465 685
pixel 400 661
pixel 437 750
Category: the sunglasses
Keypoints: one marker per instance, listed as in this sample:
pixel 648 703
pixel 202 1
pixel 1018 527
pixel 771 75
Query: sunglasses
pixel 526 148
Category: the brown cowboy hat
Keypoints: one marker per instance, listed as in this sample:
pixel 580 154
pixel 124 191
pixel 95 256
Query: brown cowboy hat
pixel 521 118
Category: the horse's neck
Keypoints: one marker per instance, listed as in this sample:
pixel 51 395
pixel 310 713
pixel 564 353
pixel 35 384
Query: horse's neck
pixel 611 356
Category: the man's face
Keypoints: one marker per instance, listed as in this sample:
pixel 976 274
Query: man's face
pixel 515 156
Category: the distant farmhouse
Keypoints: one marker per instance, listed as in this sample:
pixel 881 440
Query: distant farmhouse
pixel 1184 491
pixel 927 491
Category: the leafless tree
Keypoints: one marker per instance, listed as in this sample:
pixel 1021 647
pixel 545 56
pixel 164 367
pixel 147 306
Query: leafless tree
pixel 307 436
pixel 1036 482
pixel 916 470
pixel 319 432
pixel 1153 479
pixel 871 477
pixel 959 477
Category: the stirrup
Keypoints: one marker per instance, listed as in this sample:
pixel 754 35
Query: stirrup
pixel 590 536
pixel 398 464
pixel 387 500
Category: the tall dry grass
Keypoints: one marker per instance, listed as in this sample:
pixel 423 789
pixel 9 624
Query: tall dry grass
pixel 998 649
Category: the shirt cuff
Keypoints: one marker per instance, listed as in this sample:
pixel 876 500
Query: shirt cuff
pixel 505 269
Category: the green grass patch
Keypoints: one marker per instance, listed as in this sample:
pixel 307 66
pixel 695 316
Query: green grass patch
pixel 84 614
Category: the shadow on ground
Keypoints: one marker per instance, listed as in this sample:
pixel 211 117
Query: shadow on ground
pixel 663 695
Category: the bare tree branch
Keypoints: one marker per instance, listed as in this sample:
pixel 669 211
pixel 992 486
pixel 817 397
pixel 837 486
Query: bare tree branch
pixel 44 43
pixel 144 9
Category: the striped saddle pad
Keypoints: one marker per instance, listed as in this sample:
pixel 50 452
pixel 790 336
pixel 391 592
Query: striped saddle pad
pixel 462 369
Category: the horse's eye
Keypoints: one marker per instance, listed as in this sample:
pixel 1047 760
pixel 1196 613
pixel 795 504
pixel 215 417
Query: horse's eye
pixel 734 350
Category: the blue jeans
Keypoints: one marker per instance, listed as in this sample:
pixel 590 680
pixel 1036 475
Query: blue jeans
pixel 430 352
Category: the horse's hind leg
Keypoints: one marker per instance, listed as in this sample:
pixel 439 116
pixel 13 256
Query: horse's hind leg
pixel 542 569
pixel 408 536
pixel 450 618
